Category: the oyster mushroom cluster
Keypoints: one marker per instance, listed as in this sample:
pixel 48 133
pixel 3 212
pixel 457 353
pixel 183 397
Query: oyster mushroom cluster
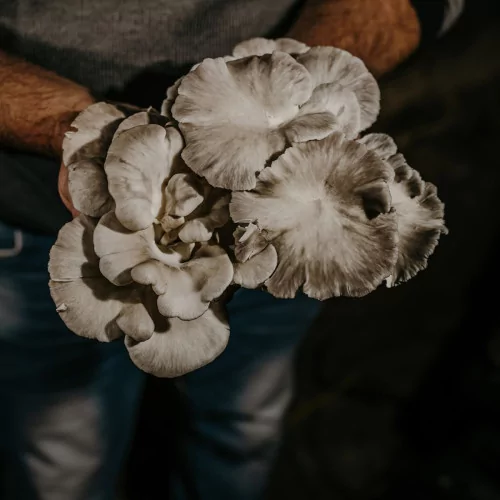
pixel 254 174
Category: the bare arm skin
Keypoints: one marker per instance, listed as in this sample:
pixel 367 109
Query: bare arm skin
pixel 36 106
pixel 383 33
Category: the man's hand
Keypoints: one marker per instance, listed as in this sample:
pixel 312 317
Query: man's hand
pixel 63 188
pixel 383 33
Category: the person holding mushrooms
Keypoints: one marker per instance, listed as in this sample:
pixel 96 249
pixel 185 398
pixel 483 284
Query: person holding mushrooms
pixel 69 404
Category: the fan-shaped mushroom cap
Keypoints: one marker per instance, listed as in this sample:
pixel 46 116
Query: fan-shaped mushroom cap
pixel 254 272
pixel 420 213
pixel 260 46
pixel 340 102
pixel 84 149
pixel 173 92
pixel 139 160
pixel 178 347
pixel 332 65
pixel 89 305
pixel 325 206
pixel 91 132
pixel 235 116
pixel 381 144
pixel 144 117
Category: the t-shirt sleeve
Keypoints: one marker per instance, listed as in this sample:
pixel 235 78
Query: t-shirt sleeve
pixel 437 16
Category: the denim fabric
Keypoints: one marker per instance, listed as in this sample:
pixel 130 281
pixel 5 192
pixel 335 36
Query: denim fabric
pixel 68 404
pixel 236 403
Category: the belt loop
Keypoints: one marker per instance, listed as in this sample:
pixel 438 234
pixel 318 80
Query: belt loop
pixel 17 247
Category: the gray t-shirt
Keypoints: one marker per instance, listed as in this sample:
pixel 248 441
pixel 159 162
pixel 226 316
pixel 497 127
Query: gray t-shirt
pixel 127 50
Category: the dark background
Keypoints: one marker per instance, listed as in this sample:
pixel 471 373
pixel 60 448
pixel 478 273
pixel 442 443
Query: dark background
pixel 398 393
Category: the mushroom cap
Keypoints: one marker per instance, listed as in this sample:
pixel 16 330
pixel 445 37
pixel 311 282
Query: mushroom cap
pixel 332 65
pixel 237 115
pixel 178 347
pixel 419 211
pixel 91 132
pixel 139 161
pixel 173 92
pixel 84 149
pixel 186 291
pixel 325 205
pixel 210 215
pixel 249 241
pixel 254 272
pixel 89 305
pixel 88 187
pixel 94 308
pixel 121 250
pixel 183 194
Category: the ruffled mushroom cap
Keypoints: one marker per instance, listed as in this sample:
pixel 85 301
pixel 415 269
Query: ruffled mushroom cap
pixel 91 132
pixel 185 291
pixel 236 116
pixel 261 46
pixel 178 347
pixel 326 207
pixel 420 213
pixel 210 215
pixel 140 159
pixel 88 303
pixel 173 92
pixel 94 308
pixel 84 149
pixel 329 65
pixel 120 250
pixel 183 194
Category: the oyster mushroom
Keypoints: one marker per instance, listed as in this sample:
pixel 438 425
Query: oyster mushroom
pixel 92 307
pixel 212 214
pixel 329 65
pixel 183 194
pixel 419 211
pixel 325 206
pixel 88 303
pixel 185 291
pixel 173 92
pixel 120 250
pixel 178 347
pixel 236 116
pixel 84 149
pixel 139 161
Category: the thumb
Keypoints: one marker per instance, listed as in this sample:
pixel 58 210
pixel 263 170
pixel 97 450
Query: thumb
pixel 63 188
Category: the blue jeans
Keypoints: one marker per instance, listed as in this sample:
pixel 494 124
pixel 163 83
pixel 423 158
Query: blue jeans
pixel 67 404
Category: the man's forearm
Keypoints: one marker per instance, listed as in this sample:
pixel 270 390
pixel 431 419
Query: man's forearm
pixel 36 106
pixel 383 33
